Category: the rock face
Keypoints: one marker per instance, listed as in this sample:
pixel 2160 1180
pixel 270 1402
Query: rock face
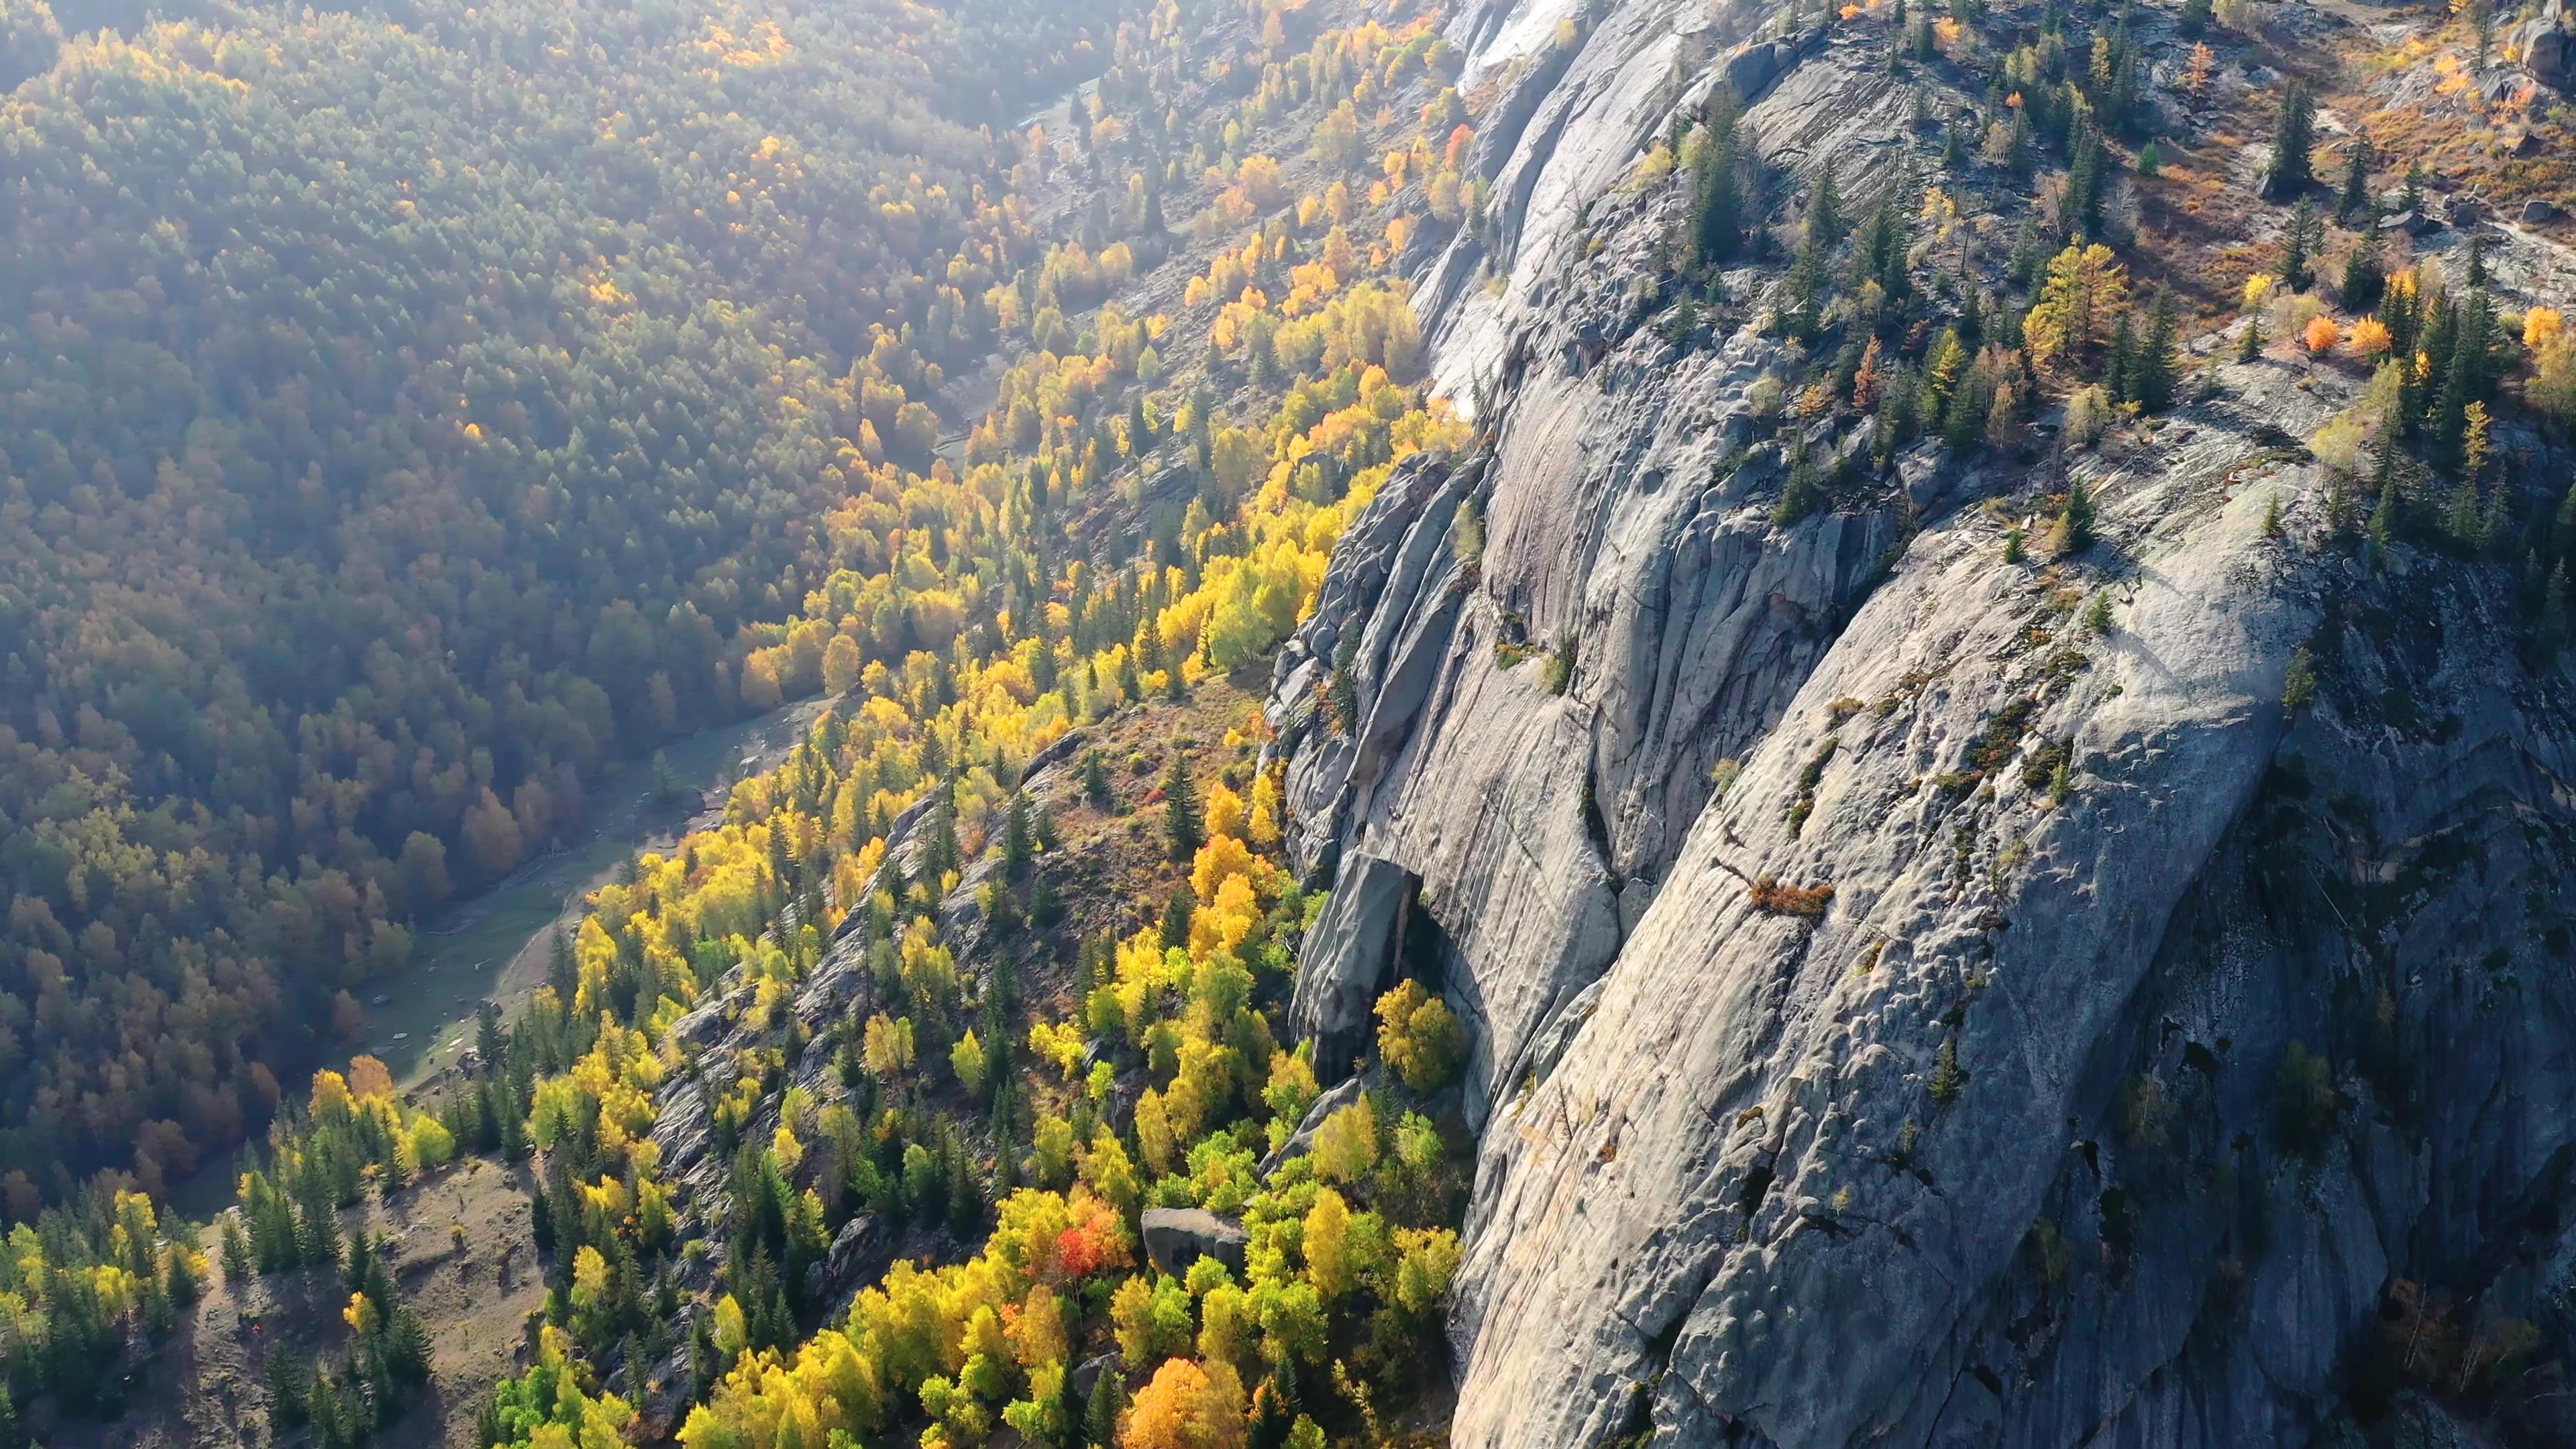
pixel 2047 1036
pixel 1348 958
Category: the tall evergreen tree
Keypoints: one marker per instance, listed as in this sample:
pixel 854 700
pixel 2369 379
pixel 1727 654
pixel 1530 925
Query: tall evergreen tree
pixel 2364 278
pixel 2300 235
pixel 1717 196
pixel 2356 178
pixel 1825 212
pixel 2296 132
pixel 1181 826
pixel 2156 365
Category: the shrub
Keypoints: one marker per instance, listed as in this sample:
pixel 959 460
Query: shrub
pixel 1773 898
pixel 1418 1037
pixel 2304 1105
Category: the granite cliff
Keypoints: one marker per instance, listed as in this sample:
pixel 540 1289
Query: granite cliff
pixel 1919 996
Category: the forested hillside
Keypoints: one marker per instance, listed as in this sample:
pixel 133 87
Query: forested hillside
pixel 404 412
pixel 913 989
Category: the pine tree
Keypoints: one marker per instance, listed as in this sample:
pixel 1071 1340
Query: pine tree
pixel 2120 361
pixel 2356 179
pixel 2363 277
pixel 2156 367
pixel 2291 173
pixel 1100 1415
pixel 1019 843
pixel 1181 827
pixel 2251 347
pixel 236 1252
pixel 2383 516
pixel 1825 213
pixel 2301 235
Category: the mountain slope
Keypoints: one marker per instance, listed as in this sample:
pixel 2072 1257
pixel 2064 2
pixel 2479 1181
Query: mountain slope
pixel 2157 1042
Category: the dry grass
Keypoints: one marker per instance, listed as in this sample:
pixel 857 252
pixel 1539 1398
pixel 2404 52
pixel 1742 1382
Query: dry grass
pixel 1773 898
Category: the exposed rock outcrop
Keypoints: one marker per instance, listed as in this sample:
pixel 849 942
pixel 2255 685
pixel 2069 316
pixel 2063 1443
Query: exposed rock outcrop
pixel 1348 959
pixel 2048 1036
pixel 1175 1238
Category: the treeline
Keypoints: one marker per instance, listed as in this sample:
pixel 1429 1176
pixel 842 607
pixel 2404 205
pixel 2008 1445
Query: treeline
pixel 84 1279
pixel 407 409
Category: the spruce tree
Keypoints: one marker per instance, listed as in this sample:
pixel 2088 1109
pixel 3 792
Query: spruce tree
pixel 2383 516
pixel 2291 174
pixel 2120 361
pixel 2356 179
pixel 1825 213
pixel 288 1392
pixel 2363 277
pixel 2155 367
pixel 2073 532
pixel 1181 827
pixel 1100 1416
pixel 236 1253
pixel 1717 200
pixel 1178 908
pixel 1019 842
pixel 2300 237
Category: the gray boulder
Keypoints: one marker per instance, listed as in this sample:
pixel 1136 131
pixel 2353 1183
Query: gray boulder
pixel 2548 51
pixel 1302 1141
pixel 1348 960
pixel 861 1252
pixel 1175 1238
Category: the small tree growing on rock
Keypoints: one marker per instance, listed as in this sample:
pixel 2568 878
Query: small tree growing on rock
pixel 1418 1037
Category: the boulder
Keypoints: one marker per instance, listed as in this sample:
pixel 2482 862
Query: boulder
pixel 861 1252
pixel 1302 1141
pixel 2538 210
pixel 1087 1373
pixel 1065 747
pixel 1177 1237
pixel 2548 51
pixel 1348 959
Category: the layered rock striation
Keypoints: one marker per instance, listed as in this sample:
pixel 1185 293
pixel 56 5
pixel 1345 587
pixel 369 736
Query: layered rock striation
pixel 1920 998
